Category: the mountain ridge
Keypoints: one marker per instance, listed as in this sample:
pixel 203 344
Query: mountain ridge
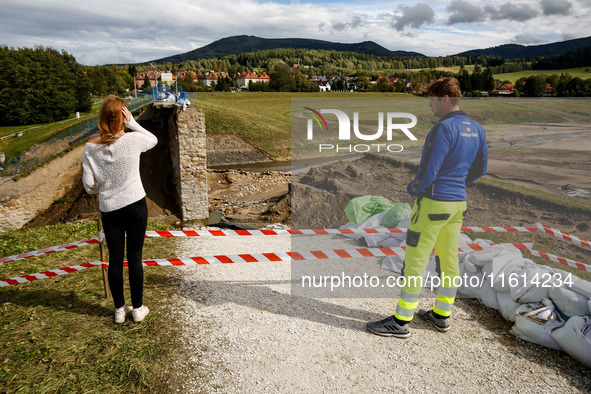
pixel 513 51
pixel 236 45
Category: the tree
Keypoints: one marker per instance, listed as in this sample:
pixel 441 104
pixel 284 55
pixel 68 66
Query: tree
pixel 476 78
pixel 187 82
pixel 464 80
pixel 40 85
pixel 535 86
pixel 282 80
pixel 147 84
pixel 488 80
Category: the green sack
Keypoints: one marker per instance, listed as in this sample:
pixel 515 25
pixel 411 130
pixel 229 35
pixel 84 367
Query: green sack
pixel 396 214
pixel 360 208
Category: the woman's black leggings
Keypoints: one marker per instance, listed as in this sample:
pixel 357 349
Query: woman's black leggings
pixel 133 220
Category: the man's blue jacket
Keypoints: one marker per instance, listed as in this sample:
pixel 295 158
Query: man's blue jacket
pixel 454 156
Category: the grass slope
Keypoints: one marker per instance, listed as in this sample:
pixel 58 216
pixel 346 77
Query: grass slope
pixel 58 335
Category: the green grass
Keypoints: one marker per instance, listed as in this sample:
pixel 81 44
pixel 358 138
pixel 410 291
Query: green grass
pixel 264 119
pixel 58 335
pixel 581 72
pixel 37 133
pixel 33 135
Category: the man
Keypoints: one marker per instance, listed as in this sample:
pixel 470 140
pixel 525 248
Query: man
pixel 454 156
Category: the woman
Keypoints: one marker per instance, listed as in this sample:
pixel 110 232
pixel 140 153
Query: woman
pixel 111 165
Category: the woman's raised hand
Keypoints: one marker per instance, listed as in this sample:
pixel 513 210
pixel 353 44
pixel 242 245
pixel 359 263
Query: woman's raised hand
pixel 126 115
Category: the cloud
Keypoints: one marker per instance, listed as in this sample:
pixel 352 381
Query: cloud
pixel 413 16
pixel 98 33
pixel 356 22
pixel 525 39
pixel 556 7
pixel 464 12
pixel 513 12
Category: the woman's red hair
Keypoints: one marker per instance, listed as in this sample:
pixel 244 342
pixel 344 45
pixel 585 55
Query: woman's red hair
pixel 110 118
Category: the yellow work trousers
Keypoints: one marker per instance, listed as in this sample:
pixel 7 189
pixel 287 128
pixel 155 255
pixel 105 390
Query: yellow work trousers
pixel 434 226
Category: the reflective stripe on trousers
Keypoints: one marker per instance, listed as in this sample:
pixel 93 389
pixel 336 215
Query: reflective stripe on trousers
pixel 436 225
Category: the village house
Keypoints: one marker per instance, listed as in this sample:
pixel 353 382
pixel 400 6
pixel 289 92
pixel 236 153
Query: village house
pixel 213 77
pixel 141 77
pixel 505 89
pixel 248 76
pixel 196 76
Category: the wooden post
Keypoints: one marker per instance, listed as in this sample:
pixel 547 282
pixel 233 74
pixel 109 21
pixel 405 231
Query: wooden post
pixel 102 250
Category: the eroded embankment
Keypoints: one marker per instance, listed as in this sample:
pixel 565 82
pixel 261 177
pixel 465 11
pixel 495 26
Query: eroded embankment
pixel 53 193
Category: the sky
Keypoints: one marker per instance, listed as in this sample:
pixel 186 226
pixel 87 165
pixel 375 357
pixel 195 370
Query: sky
pixel 131 31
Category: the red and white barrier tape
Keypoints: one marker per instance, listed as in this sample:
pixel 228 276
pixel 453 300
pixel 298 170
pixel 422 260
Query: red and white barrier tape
pixel 217 233
pixel 48 274
pixel 561 234
pixel 561 260
pixel 240 258
pixel 330 231
pixel 52 249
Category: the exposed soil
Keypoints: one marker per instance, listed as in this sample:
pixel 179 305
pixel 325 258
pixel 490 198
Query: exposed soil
pixel 250 198
pixel 335 184
pixel 229 149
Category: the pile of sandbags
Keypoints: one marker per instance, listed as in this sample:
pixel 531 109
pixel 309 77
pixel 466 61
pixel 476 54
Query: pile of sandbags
pixel 549 306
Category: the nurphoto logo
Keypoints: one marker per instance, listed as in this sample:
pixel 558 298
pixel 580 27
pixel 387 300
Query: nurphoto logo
pixel 344 130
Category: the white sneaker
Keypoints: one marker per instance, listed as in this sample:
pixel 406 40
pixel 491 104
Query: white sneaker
pixel 139 313
pixel 121 313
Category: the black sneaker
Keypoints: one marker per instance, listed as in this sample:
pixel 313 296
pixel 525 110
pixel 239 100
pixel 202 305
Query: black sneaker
pixel 442 324
pixel 389 328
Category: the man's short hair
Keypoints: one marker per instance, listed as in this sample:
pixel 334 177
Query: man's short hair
pixel 446 87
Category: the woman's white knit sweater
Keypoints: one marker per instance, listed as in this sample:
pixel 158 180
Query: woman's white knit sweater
pixel 113 170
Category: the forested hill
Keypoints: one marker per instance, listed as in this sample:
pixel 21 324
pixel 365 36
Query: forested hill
pixel 515 51
pixel 241 44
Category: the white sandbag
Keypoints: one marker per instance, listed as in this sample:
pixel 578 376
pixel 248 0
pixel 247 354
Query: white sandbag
pixel 462 258
pixel 481 257
pixel 507 306
pixel 534 323
pixel 393 263
pixel 393 240
pixel 532 284
pixel 575 338
pixel 465 239
pixel 470 283
pixel 487 269
pixel 469 267
pixel 403 223
pixel 503 268
pixel 490 252
pixel 570 303
pixel 487 295
pixel 371 222
pixel 581 286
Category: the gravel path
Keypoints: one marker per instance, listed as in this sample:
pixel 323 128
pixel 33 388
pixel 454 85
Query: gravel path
pixel 244 331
